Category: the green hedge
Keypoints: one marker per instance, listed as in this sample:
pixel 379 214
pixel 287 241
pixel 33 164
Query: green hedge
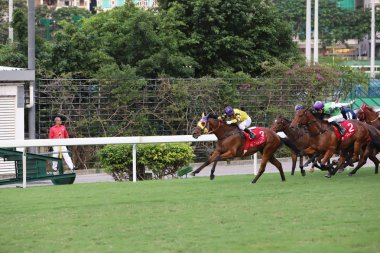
pixel 161 159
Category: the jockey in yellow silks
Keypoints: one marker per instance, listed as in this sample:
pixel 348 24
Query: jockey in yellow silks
pixel 240 118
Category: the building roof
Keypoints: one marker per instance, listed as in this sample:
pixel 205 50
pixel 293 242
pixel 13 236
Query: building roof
pixel 16 74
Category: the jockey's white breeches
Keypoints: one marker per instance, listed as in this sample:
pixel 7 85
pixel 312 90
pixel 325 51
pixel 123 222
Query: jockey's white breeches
pixel 245 124
pixel 337 118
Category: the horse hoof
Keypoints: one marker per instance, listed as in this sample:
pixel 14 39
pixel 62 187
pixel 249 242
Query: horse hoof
pixel 212 177
pixel 350 174
pixel 192 174
pixel 253 182
pixel 303 173
pixel 328 176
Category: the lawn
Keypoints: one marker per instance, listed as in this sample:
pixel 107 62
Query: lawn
pixel 310 214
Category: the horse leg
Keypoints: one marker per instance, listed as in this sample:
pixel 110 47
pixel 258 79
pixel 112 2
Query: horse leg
pixel 328 154
pixel 212 176
pixel 294 162
pixel 278 165
pixel 311 159
pixel 301 166
pixel 210 160
pixel 375 161
pixel 263 164
pixel 226 155
pixel 358 166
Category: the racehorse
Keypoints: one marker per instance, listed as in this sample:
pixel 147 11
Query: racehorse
pixel 371 150
pixel 323 139
pixel 367 114
pixel 298 136
pixel 231 143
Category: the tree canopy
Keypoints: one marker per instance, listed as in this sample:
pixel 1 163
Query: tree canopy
pixel 184 39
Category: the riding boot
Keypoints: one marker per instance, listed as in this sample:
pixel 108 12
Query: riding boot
pixel 252 135
pixel 341 129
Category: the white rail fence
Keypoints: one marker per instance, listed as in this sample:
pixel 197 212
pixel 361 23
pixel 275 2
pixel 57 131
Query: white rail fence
pixel 23 144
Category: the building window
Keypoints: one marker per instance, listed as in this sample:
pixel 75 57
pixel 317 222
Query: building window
pixel 120 2
pixel 106 4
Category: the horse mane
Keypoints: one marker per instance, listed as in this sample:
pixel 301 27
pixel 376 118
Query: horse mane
pixel 212 115
pixel 284 118
pixel 370 108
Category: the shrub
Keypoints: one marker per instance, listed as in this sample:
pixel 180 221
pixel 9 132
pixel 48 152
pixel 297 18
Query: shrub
pixel 161 159
pixel 166 159
pixel 117 161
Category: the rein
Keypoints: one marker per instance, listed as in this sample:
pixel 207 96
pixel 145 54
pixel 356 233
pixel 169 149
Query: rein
pixel 321 130
pixel 225 136
pixel 298 133
pixel 212 131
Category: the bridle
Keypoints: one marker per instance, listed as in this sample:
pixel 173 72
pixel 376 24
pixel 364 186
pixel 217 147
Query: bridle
pixel 286 123
pixel 206 127
pixel 313 122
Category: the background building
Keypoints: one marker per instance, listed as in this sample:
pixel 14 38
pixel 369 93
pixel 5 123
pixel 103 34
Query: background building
pixel 109 4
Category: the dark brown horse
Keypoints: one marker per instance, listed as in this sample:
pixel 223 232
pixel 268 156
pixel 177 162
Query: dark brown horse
pixel 367 114
pixel 299 138
pixel 323 140
pixel 231 143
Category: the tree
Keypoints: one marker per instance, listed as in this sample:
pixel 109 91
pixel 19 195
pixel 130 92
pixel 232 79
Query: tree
pixel 4 24
pixel 335 24
pixel 142 39
pixel 70 14
pixel 237 35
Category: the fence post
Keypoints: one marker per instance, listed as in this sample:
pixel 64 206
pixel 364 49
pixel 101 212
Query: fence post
pixel 23 167
pixel 255 164
pixel 134 163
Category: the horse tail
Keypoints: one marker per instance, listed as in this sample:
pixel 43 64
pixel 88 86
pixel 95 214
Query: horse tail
pixel 290 144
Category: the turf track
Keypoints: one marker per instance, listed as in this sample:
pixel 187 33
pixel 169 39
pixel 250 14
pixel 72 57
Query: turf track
pixel 311 214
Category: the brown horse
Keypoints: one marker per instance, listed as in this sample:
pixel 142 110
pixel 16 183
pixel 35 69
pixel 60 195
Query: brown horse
pixel 298 137
pixel 367 114
pixel 371 150
pixel 323 139
pixel 231 143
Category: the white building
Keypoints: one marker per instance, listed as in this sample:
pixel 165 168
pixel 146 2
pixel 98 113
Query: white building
pixel 109 4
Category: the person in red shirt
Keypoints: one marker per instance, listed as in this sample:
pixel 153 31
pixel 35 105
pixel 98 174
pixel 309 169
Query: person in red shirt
pixel 59 131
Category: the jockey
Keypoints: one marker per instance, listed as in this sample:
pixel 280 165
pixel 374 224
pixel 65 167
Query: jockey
pixel 240 118
pixel 333 110
pixel 298 107
pixel 348 113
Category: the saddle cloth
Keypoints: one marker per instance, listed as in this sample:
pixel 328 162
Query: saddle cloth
pixel 257 141
pixel 350 130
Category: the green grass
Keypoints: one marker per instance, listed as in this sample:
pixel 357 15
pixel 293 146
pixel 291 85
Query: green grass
pixel 311 214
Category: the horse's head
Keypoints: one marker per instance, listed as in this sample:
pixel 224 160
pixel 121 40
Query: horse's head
pixel 205 124
pixel 279 124
pixel 360 114
pixel 367 113
pixel 301 118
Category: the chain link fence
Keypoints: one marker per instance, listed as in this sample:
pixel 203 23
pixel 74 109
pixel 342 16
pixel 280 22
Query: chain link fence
pixel 133 107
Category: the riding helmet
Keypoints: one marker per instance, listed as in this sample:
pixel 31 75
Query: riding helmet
pixel 229 111
pixel 298 107
pixel 318 105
